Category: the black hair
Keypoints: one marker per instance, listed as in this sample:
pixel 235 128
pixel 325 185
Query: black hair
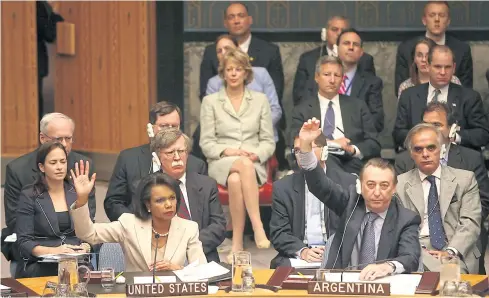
pixel 349 30
pixel 413 70
pixel 163 108
pixel 440 107
pixel 40 185
pixel 143 192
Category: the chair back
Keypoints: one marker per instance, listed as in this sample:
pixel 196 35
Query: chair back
pixel 111 255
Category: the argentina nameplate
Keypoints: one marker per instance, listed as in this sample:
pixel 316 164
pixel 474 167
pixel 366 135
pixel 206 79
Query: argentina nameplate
pixel 349 288
pixel 167 289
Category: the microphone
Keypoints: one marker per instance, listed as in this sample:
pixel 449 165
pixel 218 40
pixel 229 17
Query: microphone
pixel 157 236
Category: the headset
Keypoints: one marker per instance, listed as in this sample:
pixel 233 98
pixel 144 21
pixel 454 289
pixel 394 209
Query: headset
pixel 155 160
pixel 358 188
pixel 323 40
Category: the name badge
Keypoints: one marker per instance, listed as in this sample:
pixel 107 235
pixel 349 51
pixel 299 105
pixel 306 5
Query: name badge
pixel 167 289
pixel 349 288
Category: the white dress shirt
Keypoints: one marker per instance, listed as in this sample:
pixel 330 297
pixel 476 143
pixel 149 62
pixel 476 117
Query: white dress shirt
pixel 245 45
pixel 350 75
pixel 183 188
pixel 332 52
pixel 442 97
pixel 442 40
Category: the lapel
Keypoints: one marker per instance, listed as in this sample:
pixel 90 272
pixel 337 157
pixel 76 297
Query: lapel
pixel 454 157
pixel 453 99
pixel 70 197
pixel 357 84
pixel 414 191
pixel 226 103
pixel 447 189
pixel 144 161
pixel 175 234
pixel 351 233
pixel 299 185
pixel 48 208
pixel 193 194
pixel 254 51
pixel 143 233
pixel 385 241
pixel 419 103
pixel 245 103
pixel 346 108
pixel 315 109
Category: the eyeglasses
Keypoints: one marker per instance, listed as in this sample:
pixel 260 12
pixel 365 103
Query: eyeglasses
pixel 171 154
pixel 61 139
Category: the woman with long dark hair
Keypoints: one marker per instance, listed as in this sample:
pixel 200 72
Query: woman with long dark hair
pixel 43 223
pixel 152 230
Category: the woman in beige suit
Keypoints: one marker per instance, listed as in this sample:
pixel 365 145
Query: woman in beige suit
pixel 153 228
pixel 237 139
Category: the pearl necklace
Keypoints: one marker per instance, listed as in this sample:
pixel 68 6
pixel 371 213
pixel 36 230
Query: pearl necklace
pixel 161 235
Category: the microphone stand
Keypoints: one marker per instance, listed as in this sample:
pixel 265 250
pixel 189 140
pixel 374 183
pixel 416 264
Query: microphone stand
pixel 157 236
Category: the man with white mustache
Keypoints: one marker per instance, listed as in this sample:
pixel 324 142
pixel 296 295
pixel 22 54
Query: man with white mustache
pixel 201 203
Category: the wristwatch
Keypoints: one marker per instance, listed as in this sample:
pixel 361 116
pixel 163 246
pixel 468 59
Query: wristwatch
pixel 392 265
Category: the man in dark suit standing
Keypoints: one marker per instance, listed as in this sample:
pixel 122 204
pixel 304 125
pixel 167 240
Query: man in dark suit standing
pixel 436 18
pixel 300 223
pixel 466 103
pixel 304 76
pixel 135 163
pixel 459 157
pixel 376 234
pixel 23 171
pixel 262 53
pixel 345 120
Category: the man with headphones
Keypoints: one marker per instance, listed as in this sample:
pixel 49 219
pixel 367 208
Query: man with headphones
pixel 300 224
pixel 376 234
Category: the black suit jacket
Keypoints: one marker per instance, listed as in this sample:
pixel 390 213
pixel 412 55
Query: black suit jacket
pixel 262 53
pixel 467 109
pixel 304 83
pixel 358 124
pixel 132 165
pixel 459 157
pixel 288 212
pixel 399 239
pixel 24 171
pixel 369 87
pixel 463 61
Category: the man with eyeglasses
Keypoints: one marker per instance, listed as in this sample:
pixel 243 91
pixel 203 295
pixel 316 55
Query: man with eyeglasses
pixel 24 170
pixel 446 199
pixel 135 163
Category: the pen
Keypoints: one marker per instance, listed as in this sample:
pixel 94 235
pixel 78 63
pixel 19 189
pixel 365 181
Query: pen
pixel 300 274
pixel 119 274
pixel 340 130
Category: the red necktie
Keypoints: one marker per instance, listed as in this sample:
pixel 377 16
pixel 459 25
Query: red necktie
pixel 343 85
pixel 183 210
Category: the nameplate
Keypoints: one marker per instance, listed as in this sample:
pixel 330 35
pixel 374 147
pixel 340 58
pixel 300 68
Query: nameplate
pixel 349 288
pixel 166 289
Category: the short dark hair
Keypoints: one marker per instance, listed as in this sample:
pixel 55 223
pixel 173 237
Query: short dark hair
pixel 40 185
pixel 349 30
pixel 235 2
pixel 233 39
pixel 163 108
pixel 414 68
pixel 441 49
pixel 437 2
pixel 143 193
pixel 343 18
pixel 440 107
pixel 380 163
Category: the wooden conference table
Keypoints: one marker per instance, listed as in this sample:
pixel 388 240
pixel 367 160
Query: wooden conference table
pixel 261 277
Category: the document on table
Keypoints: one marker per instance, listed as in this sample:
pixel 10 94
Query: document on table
pixel 401 284
pixel 158 279
pixel 49 258
pixel 301 264
pixel 194 272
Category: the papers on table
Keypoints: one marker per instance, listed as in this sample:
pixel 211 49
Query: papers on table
pixel 11 238
pixel 401 284
pixel 194 272
pixel 301 264
pixel 54 258
pixel 158 279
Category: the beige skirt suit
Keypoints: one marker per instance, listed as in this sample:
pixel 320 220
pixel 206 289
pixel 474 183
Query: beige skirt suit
pixel 134 235
pixel 249 129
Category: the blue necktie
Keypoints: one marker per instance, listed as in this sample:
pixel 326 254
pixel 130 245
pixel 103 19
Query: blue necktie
pixel 367 250
pixel 329 121
pixel 435 222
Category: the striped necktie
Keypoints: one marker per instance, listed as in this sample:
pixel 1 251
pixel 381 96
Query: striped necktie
pixel 343 85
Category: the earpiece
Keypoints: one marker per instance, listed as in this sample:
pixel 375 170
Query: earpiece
pixel 323 34
pixel 324 153
pixel 358 186
pixel 443 151
pixel 149 130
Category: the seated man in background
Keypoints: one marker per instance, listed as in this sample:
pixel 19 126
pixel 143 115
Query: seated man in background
pixel 300 223
pixel 373 226
pixel 304 76
pixel 135 163
pixel 23 171
pixel 447 199
pixel 346 120
pixel 466 103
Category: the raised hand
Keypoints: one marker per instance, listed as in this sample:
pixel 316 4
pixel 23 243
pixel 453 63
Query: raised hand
pixel 309 132
pixel 83 184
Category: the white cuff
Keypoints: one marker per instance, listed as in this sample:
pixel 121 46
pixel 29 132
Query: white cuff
pixel 399 267
pixel 358 154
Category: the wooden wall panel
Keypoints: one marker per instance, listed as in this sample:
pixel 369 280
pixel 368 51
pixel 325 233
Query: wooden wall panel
pixel 105 87
pixel 19 78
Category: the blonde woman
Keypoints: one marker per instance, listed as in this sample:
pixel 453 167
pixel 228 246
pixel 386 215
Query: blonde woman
pixel 237 140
